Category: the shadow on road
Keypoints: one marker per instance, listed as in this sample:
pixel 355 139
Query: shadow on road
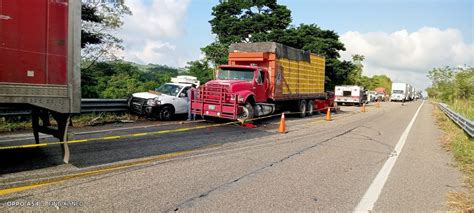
pixel 110 151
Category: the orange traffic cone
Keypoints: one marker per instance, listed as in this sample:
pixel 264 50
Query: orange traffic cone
pixel 328 114
pixel 282 128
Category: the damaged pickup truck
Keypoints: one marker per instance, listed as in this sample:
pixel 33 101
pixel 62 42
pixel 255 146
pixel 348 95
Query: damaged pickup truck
pixel 164 102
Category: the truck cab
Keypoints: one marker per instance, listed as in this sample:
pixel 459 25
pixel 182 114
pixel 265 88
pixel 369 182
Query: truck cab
pixel 235 93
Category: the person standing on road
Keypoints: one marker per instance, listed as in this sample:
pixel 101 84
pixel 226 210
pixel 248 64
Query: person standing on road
pixel 191 96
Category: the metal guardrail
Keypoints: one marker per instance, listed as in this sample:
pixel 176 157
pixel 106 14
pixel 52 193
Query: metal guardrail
pixel 466 124
pixel 87 106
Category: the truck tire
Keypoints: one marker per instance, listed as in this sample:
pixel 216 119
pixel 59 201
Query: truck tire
pixel 302 108
pixel 310 108
pixel 247 112
pixel 166 113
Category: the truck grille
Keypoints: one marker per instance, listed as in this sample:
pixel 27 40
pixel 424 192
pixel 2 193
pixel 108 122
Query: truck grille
pixel 215 100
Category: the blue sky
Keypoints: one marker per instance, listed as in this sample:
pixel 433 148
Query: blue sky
pixel 403 39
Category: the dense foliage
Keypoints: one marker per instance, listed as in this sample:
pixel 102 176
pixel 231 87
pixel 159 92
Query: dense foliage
pixel 451 84
pixel 119 79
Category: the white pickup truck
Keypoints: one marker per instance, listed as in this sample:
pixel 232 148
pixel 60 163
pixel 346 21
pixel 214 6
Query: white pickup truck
pixel 165 101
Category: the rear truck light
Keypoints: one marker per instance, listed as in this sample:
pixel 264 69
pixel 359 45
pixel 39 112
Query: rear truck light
pixel 207 112
pixel 218 114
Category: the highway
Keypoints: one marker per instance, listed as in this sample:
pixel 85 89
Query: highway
pixel 386 159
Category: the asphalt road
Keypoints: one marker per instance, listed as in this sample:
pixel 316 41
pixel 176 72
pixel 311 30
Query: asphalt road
pixel 317 166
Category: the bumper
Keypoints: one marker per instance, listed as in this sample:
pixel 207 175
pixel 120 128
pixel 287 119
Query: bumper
pixel 224 110
pixel 138 106
pixel 346 100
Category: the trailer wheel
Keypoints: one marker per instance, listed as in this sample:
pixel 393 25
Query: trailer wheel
pixel 310 108
pixel 302 108
pixel 246 112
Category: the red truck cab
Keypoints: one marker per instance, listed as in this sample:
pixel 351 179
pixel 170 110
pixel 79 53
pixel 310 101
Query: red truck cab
pixel 235 85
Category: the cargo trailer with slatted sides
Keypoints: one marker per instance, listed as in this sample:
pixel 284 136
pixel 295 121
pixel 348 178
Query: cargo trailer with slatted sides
pixel 39 62
pixel 264 78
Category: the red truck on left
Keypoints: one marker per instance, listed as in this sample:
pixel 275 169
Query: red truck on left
pixel 40 62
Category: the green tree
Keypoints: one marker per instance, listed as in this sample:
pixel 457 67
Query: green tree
pixel 122 86
pixel 243 21
pixel 450 84
pixel 381 81
pixel 201 70
pixel 99 20
pixel 464 81
pixel 442 79
pixel 355 77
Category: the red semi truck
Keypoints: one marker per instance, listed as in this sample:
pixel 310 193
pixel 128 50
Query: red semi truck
pixel 39 61
pixel 261 79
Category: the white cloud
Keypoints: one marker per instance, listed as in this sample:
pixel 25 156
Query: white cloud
pixel 408 56
pixel 150 34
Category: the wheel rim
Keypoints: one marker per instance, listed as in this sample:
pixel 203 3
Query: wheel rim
pixel 310 108
pixel 303 108
pixel 166 113
pixel 244 113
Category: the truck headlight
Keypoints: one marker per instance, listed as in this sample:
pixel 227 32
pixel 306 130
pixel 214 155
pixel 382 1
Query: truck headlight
pixel 153 102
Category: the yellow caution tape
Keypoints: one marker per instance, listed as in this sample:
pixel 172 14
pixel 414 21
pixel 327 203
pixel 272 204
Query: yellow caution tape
pixel 137 134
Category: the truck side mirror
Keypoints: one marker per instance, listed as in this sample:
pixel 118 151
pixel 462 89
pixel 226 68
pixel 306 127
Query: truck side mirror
pixel 182 95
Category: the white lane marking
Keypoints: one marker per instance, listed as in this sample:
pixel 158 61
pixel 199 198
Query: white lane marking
pixel 372 194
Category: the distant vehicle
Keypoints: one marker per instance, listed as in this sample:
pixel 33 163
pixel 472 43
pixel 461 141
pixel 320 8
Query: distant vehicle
pixel 165 101
pixel 413 94
pixel 381 94
pixel 400 92
pixel 372 95
pixel 351 94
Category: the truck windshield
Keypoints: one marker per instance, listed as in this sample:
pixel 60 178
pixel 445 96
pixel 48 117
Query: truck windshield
pixel 397 92
pixel 235 74
pixel 169 89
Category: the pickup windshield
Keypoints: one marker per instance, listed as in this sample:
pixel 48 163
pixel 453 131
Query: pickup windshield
pixel 397 91
pixel 169 89
pixel 235 74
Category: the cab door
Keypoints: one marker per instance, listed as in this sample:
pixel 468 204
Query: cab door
pixel 182 102
pixel 261 85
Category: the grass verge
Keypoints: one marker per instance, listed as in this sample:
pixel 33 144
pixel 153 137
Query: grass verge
pixel 463 107
pixel 89 119
pixel 462 146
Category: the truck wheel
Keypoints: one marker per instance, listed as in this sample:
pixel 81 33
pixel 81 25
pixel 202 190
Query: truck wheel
pixel 246 112
pixel 310 108
pixel 302 108
pixel 166 113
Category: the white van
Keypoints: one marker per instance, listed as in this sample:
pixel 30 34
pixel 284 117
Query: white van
pixel 351 94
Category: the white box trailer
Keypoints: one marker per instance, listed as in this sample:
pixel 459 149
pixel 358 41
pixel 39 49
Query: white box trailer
pixel 413 93
pixel 400 92
pixel 350 94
